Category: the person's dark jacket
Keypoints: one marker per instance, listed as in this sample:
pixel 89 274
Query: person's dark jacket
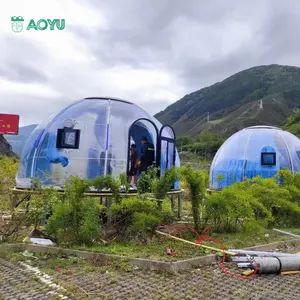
pixel 147 156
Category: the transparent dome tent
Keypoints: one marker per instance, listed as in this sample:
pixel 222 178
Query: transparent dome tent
pixel 92 137
pixel 254 151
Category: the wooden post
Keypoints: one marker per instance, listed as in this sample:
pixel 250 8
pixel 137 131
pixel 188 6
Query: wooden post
pixel 179 205
pixel 172 203
pixel 13 201
pixel 108 205
pixel 28 202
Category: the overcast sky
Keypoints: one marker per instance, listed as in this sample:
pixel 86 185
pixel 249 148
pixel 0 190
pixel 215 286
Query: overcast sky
pixel 151 52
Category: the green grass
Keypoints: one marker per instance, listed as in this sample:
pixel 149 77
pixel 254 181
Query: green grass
pixel 59 263
pixel 156 249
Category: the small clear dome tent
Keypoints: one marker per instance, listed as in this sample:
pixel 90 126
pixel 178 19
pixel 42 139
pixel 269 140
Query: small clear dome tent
pixel 254 151
pixel 89 138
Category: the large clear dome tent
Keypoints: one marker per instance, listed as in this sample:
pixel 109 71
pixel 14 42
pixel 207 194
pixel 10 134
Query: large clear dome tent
pixel 254 151
pixel 91 137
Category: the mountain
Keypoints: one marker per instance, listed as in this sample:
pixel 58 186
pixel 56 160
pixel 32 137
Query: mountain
pixel 5 147
pixel 262 95
pixel 18 141
pixel 293 123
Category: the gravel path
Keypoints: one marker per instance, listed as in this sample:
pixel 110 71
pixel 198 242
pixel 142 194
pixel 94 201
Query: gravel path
pixel 17 282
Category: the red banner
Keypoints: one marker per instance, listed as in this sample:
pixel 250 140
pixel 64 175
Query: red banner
pixel 9 124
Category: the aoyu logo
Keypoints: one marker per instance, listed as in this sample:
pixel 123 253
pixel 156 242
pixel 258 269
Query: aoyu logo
pixel 17 24
pixel 41 24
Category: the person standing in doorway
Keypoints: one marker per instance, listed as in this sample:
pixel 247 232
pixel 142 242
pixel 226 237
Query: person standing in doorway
pixel 133 165
pixel 147 156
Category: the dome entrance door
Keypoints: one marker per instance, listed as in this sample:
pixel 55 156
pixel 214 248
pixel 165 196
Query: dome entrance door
pixel 141 129
pixel 166 150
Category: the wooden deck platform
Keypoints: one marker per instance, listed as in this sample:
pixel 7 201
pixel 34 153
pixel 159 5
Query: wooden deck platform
pixel 19 196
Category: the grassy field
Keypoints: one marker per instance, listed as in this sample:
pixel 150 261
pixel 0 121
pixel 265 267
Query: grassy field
pixel 156 248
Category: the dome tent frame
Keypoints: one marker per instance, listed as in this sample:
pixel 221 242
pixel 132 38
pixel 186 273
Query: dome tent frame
pixel 35 159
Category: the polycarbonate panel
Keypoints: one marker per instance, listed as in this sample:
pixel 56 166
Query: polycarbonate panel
pixel 100 146
pixel 240 156
pixel 163 156
pixel 167 132
pixel 143 128
pixel 293 147
pixel 170 155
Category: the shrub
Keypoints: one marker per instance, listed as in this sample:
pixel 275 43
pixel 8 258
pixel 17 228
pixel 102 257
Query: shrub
pixel 277 199
pixel 143 224
pixel 291 184
pixel 75 219
pixel 254 203
pixel 8 170
pixel 124 181
pixel 144 184
pixel 127 217
pixel 196 181
pixel 12 224
pixel 107 182
pixel 161 186
pixel 232 209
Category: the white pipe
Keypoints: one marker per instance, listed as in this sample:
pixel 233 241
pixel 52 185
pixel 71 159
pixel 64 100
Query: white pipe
pixel 107 137
pixel 240 259
pixel 245 265
pixel 288 233
pixel 33 162
pixel 261 253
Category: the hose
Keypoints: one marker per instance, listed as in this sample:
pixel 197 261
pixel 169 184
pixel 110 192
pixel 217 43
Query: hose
pixel 204 237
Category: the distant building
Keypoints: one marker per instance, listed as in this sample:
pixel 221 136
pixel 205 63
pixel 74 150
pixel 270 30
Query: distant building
pixel 254 151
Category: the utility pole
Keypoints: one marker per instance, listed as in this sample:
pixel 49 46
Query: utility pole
pixel 208 117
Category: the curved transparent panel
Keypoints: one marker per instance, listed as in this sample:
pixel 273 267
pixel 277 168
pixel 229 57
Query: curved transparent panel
pixel 142 128
pixel 170 162
pixel 103 144
pixel 241 155
pixel 167 148
pixel 168 132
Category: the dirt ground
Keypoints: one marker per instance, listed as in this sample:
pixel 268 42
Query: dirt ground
pixel 18 282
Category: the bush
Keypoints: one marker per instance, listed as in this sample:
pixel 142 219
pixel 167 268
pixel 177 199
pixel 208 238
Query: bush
pixel 277 199
pixel 8 171
pixel 124 181
pixel 138 218
pixel 75 219
pixel 232 209
pixel 144 184
pixel 143 225
pixel 161 186
pixel 40 205
pixel 291 184
pixel 196 182
pixel 254 203
pixel 107 182
pixel 12 224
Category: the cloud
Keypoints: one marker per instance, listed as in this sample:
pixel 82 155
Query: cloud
pixel 149 52
pixel 20 72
